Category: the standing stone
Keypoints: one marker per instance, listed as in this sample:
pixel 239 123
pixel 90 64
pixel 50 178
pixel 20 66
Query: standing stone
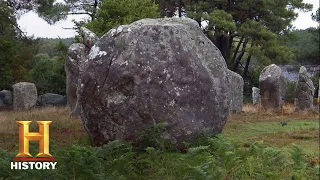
pixel 236 91
pixel 77 54
pixel 304 91
pixel 255 95
pixel 88 37
pixel 6 98
pixel 272 87
pixel 154 71
pixel 52 99
pixel 24 96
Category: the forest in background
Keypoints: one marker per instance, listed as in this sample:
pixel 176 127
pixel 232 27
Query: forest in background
pixel 250 34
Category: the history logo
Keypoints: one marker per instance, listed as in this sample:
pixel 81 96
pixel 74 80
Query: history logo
pixel 24 159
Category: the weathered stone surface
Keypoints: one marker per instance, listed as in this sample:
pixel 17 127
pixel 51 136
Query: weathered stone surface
pixel 152 71
pixel 304 91
pixel 6 98
pixel 88 37
pixel 77 54
pixel 24 95
pixel 52 99
pixel 272 87
pixel 236 91
pixel 255 95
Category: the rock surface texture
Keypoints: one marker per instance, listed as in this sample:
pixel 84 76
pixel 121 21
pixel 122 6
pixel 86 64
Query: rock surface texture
pixel 304 91
pixel 52 99
pixel 24 95
pixel 236 91
pixel 153 71
pixel 255 95
pixel 272 87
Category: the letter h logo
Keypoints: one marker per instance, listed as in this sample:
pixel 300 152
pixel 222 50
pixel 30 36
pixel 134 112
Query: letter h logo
pixel 25 136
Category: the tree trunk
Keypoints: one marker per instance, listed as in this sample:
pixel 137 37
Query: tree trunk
pixel 95 5
pixel 180 8
pixel 237 61
pixel 237 50
pixel 222 43
pixel 246 67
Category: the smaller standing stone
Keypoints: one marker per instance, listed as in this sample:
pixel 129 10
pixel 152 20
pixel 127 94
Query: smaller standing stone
pixel 255 95
pixel 77 54
pixel 89 38
pixel 304 91
pixel 236 91
pixel 6 98
pixel 24 95
pixel 272 87
pixel 52 99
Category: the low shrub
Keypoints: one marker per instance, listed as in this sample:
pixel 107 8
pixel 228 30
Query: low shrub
pixel 206 158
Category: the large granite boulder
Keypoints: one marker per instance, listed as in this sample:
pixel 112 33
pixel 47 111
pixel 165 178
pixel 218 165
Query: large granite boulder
pixel 272 87
pixel 24 95
pixel 149 72
pixel 255 95
pixel 52 99
pixel 6 98
pixel 304 91
pixel 236 91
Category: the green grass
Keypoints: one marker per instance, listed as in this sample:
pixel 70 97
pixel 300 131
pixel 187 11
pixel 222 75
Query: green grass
pixel 249 129
pixel 253 145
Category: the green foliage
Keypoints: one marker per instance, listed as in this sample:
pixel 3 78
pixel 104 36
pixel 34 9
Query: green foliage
pixel 251 28
pixel 289 97
pixel 16 50
pixel 48 74
pixel 221 20
pixel 208 158
pixel 49 46
pixel 52 11
pixel 113 13
pixel 153 137
pixel 316 16
pixel 305 44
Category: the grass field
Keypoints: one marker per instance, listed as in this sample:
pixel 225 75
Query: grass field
pixel 253 125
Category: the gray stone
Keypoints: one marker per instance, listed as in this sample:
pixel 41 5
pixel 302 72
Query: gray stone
pixel 153 71
pixel 88 37
pixel 255 95
pixel 272 87
pixel 77 54
pixel 236 91
pixel 6 98
pixel 24 96
pixel 52 99
pixel 304 91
